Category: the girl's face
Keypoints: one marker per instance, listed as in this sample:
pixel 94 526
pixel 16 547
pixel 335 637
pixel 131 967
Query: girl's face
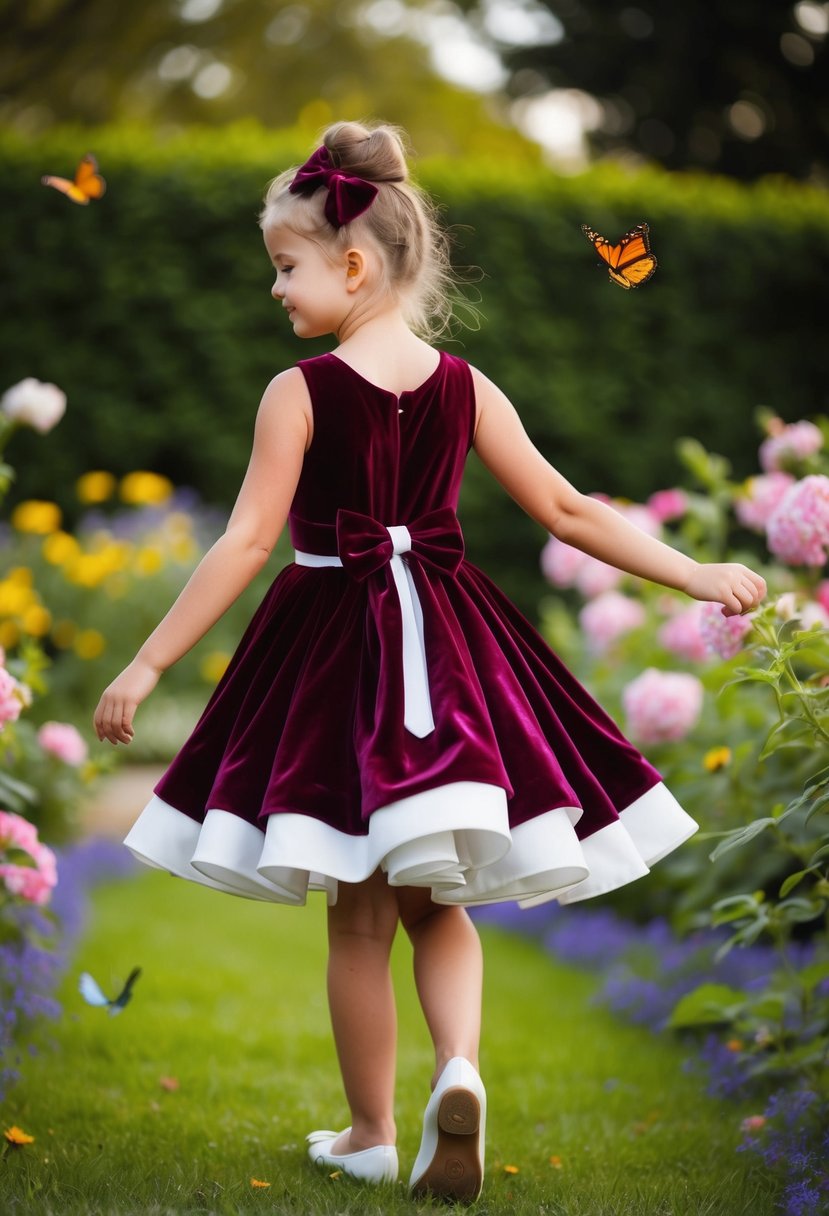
pixel 314 289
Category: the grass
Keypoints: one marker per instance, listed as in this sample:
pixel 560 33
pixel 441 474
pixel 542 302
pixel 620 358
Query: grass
pixel 231 1003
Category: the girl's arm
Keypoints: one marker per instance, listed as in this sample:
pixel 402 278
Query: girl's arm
pixel 280 440
pixel 505 448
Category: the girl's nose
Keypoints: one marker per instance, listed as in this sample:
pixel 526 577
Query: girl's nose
pixel 277 292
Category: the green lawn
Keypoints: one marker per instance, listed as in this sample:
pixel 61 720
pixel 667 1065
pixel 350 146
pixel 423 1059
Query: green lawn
pixel 231 1003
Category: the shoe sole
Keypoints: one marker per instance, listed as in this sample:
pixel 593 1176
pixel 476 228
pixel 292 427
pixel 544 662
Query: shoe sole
pixel 455 1171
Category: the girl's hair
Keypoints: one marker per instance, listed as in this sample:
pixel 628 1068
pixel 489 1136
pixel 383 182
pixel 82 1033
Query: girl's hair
pixel 401 221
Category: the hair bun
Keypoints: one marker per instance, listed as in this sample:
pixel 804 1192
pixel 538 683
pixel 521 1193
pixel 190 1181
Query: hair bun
pixel 374 153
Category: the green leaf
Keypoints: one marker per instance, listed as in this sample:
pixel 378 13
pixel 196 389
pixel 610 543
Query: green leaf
pixel 792 881
pixel 16 794
pixel 814 974
pixel 706 1005
pixel 742 836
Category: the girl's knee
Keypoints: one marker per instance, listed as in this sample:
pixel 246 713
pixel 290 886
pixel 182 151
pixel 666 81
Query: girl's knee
pixel 415 907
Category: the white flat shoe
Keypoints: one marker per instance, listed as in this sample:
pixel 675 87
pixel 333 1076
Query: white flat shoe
pixel 450 1162
pixel 378 1164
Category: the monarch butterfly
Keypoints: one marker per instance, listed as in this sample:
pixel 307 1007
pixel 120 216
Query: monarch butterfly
pixel 630 263
pixel 92 994
pixel 88 182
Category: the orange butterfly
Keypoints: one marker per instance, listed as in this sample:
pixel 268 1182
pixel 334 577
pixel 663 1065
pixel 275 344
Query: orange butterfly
pixel 88 182
pixel 630 263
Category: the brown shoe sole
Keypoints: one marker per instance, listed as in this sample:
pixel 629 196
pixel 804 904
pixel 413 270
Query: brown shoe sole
pixel 455 1171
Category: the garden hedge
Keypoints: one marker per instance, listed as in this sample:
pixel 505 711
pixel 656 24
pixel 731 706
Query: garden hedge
pixel 151 309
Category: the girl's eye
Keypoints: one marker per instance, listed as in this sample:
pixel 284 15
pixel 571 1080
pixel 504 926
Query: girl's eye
pixel 285 269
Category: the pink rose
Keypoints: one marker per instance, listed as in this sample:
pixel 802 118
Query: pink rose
pixel 11 698
pixel 32 883
pixel 790 443
pixel 681 635
pixel 666 505
pixel 609 616
pixel 760 498
pixel 662 706
pixel 723 635
pixel 63 741
pixel 798 530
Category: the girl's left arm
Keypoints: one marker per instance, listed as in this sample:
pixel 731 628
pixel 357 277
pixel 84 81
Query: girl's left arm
pixel 257 519
pixel 505 448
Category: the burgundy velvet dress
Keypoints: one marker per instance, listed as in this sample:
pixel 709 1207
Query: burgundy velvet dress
pixel 389 706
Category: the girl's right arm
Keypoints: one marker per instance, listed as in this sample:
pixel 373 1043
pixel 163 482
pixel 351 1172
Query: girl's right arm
pixel 280 440
pixel 584 522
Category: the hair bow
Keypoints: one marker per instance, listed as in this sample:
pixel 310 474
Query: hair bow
pixel 348 196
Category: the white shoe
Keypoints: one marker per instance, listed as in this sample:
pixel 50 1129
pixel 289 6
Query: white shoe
pixel 378 1164
pixel 450 1162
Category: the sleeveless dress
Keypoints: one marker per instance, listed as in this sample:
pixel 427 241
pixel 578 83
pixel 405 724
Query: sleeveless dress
pixel 389 706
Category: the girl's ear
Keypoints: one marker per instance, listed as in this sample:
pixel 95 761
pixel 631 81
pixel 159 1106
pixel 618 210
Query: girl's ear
pixel 355 269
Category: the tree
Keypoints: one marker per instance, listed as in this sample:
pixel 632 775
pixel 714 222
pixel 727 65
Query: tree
pixel 175 62
pixel 732 86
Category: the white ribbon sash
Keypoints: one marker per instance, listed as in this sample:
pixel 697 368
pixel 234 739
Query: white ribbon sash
pixel 417 706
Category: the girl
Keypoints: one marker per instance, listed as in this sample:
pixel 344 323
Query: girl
pixel 391 730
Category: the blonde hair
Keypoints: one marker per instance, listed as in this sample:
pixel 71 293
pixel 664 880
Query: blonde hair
pixel 401 222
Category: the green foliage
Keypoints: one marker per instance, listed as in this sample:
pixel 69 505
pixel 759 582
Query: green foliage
pixel 627 1130
pixel 151 310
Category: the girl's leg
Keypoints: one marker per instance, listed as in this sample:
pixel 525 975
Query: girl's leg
pixel 361 928
pixel 448 968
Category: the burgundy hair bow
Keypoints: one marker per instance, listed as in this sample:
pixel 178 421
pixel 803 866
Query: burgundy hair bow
pixel 348 197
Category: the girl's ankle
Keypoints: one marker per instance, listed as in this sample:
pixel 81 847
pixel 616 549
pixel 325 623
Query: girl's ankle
pixel 369 1135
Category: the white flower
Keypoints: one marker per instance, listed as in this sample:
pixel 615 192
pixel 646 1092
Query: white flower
pixel 34 404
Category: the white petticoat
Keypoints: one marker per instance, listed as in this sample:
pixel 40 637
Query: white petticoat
pixel 454 839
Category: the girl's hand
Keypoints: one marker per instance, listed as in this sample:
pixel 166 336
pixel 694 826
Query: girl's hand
pixel 113 717
pixel 734 586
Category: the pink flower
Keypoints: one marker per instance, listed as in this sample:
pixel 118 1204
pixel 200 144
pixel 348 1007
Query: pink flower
pixel 12 697
pixel 753 1123
pixel 662 706
pixel 798 530
pixel 609 616
pixel 822 594
pixel 668 504
pixel 681 635
pixel 560 563
pixel 761 496
pixel 790 443
pixel 723 635
pixel 34 882
pixel 594 577
pixel 812 614
pixel 63 741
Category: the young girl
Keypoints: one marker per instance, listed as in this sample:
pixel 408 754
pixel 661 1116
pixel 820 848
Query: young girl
pixel 391 730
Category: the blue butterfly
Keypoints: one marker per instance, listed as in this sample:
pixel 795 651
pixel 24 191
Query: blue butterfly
pixel 92 994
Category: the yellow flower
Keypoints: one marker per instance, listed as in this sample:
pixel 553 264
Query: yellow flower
pixel 556 1162
pixel 16 1135
pixel 145 489
pixel 87 570
pixel 96 486
pixel 9 635
pixel 716 758
pixel 734 1044
pixel 38 516
pixel 15 598
pixel 510 1169
pixel 89 644
pixel 213 666
pixel 60 548
pixel 257 1182
pixel 64 633
pixel 21 576
pixel 36 621
pixel 148 561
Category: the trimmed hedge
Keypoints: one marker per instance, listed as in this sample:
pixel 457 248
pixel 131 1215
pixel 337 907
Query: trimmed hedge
pixel 151 309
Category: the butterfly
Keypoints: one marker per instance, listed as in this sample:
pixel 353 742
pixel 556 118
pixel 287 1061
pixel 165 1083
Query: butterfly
pixel 88 182
pixel 630 263
pixel 92 994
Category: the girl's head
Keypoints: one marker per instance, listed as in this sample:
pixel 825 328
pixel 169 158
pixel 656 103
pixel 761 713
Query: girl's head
pixel 396 226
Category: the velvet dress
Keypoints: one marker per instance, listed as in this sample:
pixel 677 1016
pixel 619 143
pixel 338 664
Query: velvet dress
pixel 389 706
